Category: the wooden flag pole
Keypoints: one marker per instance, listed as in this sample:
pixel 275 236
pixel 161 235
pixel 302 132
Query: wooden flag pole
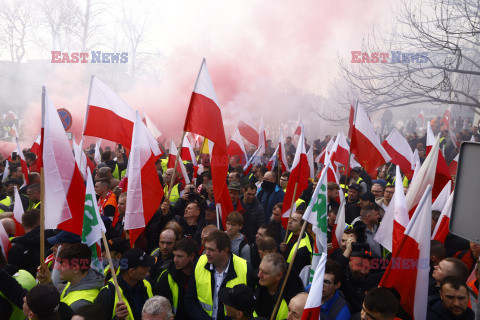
pixel 112 269
pixel 291 210
pixel 279 299
pixel 172 180
pixel 42 218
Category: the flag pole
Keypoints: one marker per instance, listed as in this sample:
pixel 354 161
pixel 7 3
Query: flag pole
pixel 112 269
pixel 291 209
pixel 42 218
pixel 172 180
pixel 279 299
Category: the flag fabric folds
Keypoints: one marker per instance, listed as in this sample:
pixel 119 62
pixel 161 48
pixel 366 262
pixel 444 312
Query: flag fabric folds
pixel 314 300
pixel 399 149
pixel 441 228
pixel 249 132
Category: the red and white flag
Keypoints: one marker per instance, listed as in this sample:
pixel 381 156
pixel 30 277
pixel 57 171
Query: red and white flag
pixel 23 163
pixel 262 137
pixel 453 138
pixel 299 127
pixel 446 119
pixel 273 160
pixel 4 241
pixel 415 158
pixel 249 132
pixel 453 165
pixel 18 212
pixel 172 157
pixel 298 180
pixel 365 144
pixel 282 155
pixel 187 152
pixel 420 181
pixel 340 150
pixel 422 117
pixel 314 300
pixel 399 149
pixel 236 147
pixel 321 157
pixel 151 126
pixel 442 198
pixel 35 148
pixel 395 220
pixel 97 156
pixel 204 117
pixel 339 226
pixel 254 159
pixel 63 182
pixel 351 119
pixel 413 251
pixel 80 158
pixel 310 163
pixel 144 191
pixel 108 116
pixel 441 228
pixel 6 171
pixel 442 175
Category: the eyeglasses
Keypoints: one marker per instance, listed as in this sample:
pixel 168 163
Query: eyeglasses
pixel 327 283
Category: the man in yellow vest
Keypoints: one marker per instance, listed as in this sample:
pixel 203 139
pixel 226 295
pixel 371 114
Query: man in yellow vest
pixel 33 194
pixel 174 277
pixel 271 275
pixel 217 268
pixel 304 253
pixel 134 289
pixel 83 283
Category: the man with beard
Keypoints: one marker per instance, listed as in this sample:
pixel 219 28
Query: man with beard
pixel 453 302
pixel 269 194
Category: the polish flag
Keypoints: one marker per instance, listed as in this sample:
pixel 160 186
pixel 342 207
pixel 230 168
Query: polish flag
pixel 23 163
pixel 298 129
pixel 108 116
pixel 314 300
pixel 273 160
pixel 172 157
pixel 442 198
pixel 446 119
pixel 35 148
pixel 340 150
pixel 422 117
pixel 97 156
pixel 351 119
pixel 204 117
pixel 442 175
pixel 249 132
pixel 298 180
pixel 339 226
pixel 6 171
pixel 321 157
pixel 421 180
pixel 187 153
pixel 282 154
pixel 63 183
pixel 144 191
pixel 254 159
pixel 455 142
pixel 237 148
pixel 5 243
pixel 441 228
pixel 415 158
pixel 18 212
pixel 310 163
pixel 453 165
pixel 417 169
pixel 399 149
pixel 332 173
pixel 414 250
pixel 365 144
pixel 151 126
pixel 262 137
pixel 353 162
pixel 395 221
pixel 80 158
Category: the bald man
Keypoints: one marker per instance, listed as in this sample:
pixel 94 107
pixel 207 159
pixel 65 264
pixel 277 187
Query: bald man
pixel 296 306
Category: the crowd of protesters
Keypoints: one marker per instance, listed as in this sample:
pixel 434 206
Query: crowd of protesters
pixel 186 266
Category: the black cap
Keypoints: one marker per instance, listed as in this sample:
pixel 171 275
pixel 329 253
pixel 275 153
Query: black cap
pixel 118 244
pixel 136 258
pixel 236 186
pixel 44 301
pixel 14 181
pixel 361 250
pixel 211 206
pixel 239 297
pixel 368 196
pixel 355 186
pixel 64 237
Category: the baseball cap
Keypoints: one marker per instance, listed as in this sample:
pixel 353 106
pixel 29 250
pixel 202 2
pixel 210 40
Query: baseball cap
pixel 368 196
pixel 118 244
pixel 211 206
pixel 380 182
pixel 64 237
pixel 44 301
pixel 362 250
pixel 355 186
pixel 135 257
pixel 234 186
pixel 239 297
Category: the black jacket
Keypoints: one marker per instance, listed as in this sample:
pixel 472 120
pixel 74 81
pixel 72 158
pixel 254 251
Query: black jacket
pixel 253 217
pixel 192 305
pixel 437 312
pixel 162 288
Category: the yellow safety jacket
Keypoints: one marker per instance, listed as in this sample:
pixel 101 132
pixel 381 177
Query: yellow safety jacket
pixel 130 313
pixel 6 201
pixel 33 205
pixel 173 288
pixel 305 242
pixel 204 281
pixel 175 195
pixel 27 281
pixel 71 297
pixel 117 174
pixel 282 311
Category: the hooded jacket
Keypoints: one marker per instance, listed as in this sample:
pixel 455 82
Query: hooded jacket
pixel 253 217
pixel 93 280
pixel 25 251
pixel 268 199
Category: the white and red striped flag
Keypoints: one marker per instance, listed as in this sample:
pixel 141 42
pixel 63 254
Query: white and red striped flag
pixel 299 127
pixel 18 212
pixel 314 300
pixel 395 220
pixel 409 267
pixel 339 226
pixel 64 187
pixel 441 228
pixel 310 162
pixel 151 126
pixel 187 153
pixel 204 117
pixel 254 159
pixel 262 137
pixel 108 116
pixel 236 147
pixel 442 175
pixel 172 156
pixel 273 160
pixel 453 138
pixel 399 149
pixel 5 243
pixel 453 165
pixel 282 155
pixel 442 198
pixel 321 157
pixel 249 132
pixel 365 144
pixel 23 163
pixel 97 156
pixel 298 177
pixel 35 148
pixel 422 117
pixel 144 191
pixel 340 150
